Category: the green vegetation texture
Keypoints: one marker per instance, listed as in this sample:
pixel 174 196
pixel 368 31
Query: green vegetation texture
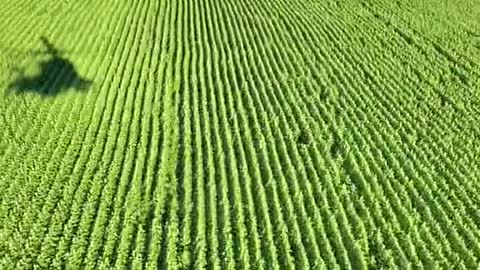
pixel 240 134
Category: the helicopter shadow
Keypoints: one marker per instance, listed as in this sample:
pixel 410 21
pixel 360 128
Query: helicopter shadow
pixel 57 73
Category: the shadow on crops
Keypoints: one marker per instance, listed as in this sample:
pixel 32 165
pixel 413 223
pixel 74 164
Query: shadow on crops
pixel 57 73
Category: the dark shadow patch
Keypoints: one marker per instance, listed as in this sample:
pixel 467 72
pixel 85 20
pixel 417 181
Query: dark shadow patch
pixel 57 73
pixel 460 75
pixel 444 100
pixel 303 138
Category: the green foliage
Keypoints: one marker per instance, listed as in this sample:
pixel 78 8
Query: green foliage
pixel 252 134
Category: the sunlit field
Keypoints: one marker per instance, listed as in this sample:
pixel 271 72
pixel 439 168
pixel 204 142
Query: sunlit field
pixel 228 134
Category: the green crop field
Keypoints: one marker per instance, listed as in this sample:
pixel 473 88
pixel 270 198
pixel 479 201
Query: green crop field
pixel 240 134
